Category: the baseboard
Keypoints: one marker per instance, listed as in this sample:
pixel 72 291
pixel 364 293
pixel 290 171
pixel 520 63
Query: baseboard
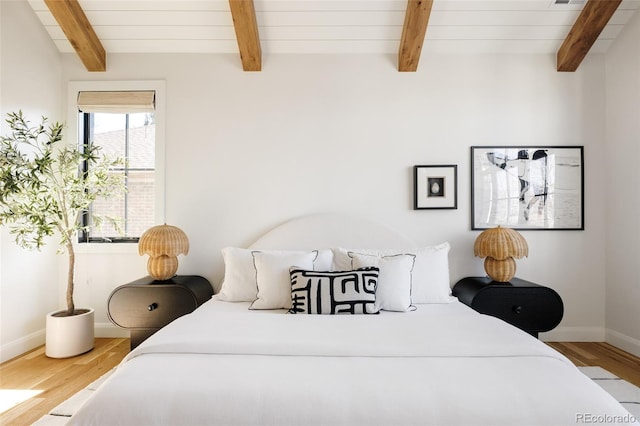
pixel 574 334
pixel 33 340
pixel 22 345
pixel 106 329
pixel 623 342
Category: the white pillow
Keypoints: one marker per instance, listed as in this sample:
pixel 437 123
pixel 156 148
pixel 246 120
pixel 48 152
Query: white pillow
pixel 324 261
pixel 239 284
pixel 430 275
pixel 393 292
pixel 273 279
pixel 343 262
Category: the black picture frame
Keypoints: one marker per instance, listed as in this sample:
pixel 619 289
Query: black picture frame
pixel 527 187
pixel 435 187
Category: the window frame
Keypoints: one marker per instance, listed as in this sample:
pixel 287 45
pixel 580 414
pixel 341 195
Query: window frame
pixel 84 236
pixel 74 135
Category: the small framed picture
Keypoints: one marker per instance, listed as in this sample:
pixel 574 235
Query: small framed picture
pixel 435 187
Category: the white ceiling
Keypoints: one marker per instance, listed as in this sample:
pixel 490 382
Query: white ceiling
pixel 333 26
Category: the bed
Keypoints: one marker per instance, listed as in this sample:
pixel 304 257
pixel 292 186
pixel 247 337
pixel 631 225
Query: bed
pixel 421 358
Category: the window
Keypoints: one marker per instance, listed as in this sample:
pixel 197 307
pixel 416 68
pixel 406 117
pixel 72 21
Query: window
pixel 123 126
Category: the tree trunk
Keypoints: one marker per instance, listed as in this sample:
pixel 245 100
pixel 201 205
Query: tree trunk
pixel 72 261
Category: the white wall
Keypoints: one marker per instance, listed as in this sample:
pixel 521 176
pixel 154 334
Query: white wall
pixel 623 194
pixel 30 79
pixel 330 133
pixel 320 133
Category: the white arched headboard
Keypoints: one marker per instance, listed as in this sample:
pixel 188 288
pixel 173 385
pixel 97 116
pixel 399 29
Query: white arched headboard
pixel 330 230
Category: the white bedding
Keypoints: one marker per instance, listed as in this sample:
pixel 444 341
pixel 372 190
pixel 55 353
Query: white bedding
pixel 442 364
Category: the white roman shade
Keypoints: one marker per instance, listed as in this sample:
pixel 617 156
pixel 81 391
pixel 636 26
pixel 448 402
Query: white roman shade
pixel 117 102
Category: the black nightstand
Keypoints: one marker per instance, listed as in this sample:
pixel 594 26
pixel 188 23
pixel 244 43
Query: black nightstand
pixel 145 306
pixel 526 305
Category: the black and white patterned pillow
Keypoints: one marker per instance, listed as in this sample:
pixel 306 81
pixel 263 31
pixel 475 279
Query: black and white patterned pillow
pixel 339 292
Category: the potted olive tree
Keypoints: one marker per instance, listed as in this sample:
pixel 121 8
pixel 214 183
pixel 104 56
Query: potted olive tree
pixel 44 190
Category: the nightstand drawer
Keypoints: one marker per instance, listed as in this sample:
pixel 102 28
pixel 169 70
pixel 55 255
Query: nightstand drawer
pixel 532 309
pixel 150 306
pixel 526 305
pixel 144 306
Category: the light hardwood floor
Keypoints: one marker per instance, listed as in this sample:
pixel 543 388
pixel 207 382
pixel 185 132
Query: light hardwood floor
pixel 58 379
pixel 621 363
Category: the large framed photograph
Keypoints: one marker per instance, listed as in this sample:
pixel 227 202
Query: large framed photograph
pixel 435 187
pixel 527 187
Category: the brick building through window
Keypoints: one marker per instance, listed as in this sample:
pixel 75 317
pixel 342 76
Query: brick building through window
pixel 130 136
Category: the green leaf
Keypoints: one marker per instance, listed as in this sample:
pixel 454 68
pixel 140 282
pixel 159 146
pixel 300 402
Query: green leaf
pixel 42 191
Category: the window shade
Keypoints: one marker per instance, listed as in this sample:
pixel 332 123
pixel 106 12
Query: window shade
pixel 117 102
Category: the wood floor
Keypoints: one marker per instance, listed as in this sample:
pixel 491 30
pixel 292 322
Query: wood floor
pixel 58 379
pixel 612 359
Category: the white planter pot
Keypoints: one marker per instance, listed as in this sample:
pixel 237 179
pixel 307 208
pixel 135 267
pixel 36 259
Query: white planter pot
pixel 69 336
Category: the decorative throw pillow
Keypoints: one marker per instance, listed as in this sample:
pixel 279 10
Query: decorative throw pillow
pixel 393 292
pixel 430 275
pixel 239 284
pixel 336 292
pixel 272 277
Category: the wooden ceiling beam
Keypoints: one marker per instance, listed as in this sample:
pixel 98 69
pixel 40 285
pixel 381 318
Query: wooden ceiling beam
pixel 79 32
pixel 585 31
pixel 413 32
pixel 246 27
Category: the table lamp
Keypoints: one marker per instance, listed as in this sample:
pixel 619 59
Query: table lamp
pixel 163 244
pixel 500 245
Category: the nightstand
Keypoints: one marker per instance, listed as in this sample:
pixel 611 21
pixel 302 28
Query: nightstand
pixel 526 305
pixel 146 305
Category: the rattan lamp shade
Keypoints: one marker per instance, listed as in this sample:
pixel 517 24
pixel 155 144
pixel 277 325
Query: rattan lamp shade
pixel 163 244
pixel 500 245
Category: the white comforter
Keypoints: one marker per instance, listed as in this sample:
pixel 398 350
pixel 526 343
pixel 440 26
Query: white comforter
pixel 440 365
